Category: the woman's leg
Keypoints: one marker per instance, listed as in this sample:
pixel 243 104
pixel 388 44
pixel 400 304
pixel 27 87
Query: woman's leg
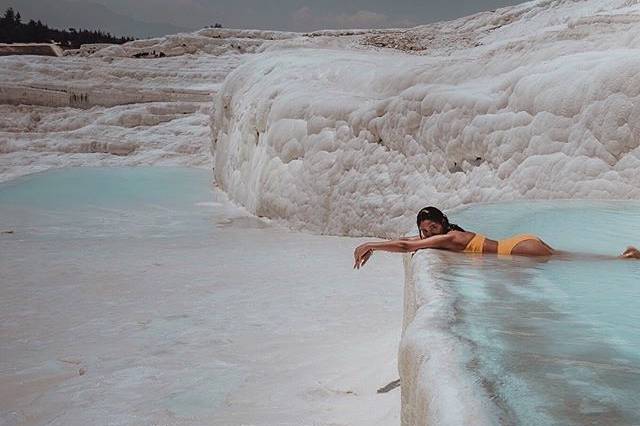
pixel 551 249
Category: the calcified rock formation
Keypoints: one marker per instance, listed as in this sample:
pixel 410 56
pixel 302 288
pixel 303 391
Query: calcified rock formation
pixel 144 103
pixel 540 100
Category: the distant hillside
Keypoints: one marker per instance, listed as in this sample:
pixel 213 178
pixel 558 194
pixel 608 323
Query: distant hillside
pixel 75 14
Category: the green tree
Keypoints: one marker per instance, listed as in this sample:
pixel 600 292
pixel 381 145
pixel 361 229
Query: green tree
pixel 9 15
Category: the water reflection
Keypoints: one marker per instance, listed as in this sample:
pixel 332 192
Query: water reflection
pixel 555 341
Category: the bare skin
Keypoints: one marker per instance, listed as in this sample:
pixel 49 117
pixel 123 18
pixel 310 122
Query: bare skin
pixel 433 236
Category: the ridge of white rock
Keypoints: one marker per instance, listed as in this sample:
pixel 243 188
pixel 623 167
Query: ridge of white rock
pixel 539 100
pixel 48 49
pixel 116 105
pixel 212 41
pixel 436 387
pixel 142 103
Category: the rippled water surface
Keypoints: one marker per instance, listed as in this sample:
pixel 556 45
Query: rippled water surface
pixel 555 341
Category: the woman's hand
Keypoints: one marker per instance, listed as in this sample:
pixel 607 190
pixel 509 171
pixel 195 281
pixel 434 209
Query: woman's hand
pixel 362 253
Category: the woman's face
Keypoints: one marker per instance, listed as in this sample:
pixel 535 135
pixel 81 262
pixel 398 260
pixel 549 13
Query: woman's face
pixel 429 228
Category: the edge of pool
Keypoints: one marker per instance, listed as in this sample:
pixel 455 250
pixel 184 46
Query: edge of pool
pixel 436 386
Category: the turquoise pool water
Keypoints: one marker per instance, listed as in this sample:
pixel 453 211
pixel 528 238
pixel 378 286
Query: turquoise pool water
pixel 112 283
pixel 554 341
pixel 100 202
pixel 142 296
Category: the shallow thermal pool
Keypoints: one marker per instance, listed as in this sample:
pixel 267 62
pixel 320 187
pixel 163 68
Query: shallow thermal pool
pixel 142 296
pixel 553 341
pixel 101 202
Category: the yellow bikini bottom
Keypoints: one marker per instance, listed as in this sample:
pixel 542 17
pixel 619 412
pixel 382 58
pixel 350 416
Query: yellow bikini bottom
pixel 505 246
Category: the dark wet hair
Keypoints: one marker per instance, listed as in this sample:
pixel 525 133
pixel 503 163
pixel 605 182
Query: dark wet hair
pixel 435 215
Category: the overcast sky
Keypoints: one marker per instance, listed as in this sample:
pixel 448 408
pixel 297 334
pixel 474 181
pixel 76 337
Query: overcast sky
pixel 292 15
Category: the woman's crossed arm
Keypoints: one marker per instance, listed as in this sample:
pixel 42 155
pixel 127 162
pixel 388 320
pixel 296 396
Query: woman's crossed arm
pixel 364 251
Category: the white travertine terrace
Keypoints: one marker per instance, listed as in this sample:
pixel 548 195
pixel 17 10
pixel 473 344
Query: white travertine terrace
pixel 436 389
pixel 539 100
pixel 117 105
pixel 351 132
pixel 146 102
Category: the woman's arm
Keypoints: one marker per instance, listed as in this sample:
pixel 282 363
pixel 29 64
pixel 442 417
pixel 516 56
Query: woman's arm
pixel 442 241
pixel 415 237
pixel 364 251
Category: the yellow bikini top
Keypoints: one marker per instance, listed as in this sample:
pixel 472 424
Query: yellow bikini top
pixel 476 244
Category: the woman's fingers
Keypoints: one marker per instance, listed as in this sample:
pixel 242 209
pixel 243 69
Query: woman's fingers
pixel 357 259
pixel 357 254
pixel 361 255
pixel 366 257
pixel 363 258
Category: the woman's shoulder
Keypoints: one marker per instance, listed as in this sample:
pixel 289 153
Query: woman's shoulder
pixel 462 237
pixel 465 234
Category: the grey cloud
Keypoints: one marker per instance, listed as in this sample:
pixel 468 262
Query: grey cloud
pixel 287 15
